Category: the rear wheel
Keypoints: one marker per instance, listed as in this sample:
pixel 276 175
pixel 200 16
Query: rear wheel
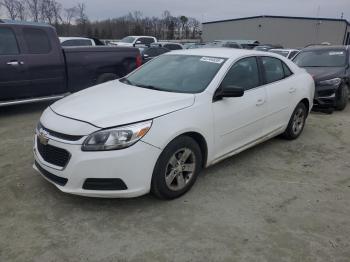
pixel 296 123
pixel 177 168
pixel 342 98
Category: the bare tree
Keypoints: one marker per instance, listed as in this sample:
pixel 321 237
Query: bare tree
pixel 10 6
pixel 82 19
pixel 50 11
pixel 34 9
pixel 21 10
pixel 70 14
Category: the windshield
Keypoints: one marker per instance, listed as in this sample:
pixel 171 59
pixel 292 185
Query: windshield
pixel 128 39
pixel 280 52
pixel 321 58
pixel 176 73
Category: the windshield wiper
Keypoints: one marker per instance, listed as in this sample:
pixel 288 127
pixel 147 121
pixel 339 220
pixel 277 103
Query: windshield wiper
pixel 149 87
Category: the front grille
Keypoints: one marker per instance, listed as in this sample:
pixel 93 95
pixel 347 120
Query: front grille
pixel 56 179
pixel 59 135
pixel 104 184
pixel 53 155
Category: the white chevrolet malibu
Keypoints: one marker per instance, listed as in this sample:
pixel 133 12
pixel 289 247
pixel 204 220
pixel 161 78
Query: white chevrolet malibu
pixel 154 130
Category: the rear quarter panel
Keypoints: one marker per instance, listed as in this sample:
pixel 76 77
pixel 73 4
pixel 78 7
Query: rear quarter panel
pixel 86 64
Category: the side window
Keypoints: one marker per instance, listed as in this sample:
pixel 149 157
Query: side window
pixel 162 50
pixel 8 42
pixel 37 41
pixel 151 52
pixel 287 71
pixel 77 42
pixel 292 54
pixel 146 40
pixel 243 73
pixel 173 46
pixel 273 69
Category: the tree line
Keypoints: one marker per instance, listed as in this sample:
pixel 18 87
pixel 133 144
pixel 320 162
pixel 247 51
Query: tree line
pixel 73 21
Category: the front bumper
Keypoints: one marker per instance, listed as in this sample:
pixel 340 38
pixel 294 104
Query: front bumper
pixel 325 96
pixel 134 166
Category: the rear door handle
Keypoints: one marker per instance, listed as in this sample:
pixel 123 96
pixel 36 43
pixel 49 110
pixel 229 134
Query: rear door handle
pixel 292 90
pixel 15 63
pixel 260 102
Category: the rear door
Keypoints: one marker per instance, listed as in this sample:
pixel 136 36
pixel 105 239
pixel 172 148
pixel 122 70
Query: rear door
pixel 43 58
pixel 13 77
pixel 280 91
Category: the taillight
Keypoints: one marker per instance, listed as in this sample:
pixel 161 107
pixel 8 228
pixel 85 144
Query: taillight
pixel 138 60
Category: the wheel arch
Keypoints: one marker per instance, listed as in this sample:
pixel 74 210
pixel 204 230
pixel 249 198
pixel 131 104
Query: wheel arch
pixel 200 140
pixel 306 102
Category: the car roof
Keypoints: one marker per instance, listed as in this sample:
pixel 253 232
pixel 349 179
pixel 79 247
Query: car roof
pixel 140 36
pixel 283 49
pixel 64 38
pixel 220 52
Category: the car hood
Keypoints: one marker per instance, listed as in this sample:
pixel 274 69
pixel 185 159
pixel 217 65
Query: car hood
pixel 114 103
pixel 325 73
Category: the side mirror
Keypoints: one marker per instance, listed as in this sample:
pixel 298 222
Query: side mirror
pixel 228 91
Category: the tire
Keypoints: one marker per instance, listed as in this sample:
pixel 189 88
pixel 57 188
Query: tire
pixel 170 180
pixel 105 78
pixel 296 123
pixel 342 98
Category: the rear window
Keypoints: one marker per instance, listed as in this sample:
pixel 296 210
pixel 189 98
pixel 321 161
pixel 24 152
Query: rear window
pixel 37 41
pixel 8 42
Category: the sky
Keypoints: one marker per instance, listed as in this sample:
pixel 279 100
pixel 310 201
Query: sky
pixel 210 10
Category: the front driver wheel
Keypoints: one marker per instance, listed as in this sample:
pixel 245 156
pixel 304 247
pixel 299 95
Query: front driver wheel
pixel 177 168
pixel 296 123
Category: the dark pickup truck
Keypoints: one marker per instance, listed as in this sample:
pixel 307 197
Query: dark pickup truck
pixel 34 67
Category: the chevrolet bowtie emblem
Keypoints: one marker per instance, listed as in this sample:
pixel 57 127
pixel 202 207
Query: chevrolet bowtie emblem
pixel 42 136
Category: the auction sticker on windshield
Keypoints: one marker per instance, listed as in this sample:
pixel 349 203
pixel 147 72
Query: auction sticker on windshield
pixel 212 60
pixel 336 53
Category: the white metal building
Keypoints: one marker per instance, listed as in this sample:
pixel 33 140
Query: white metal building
pixel 291 32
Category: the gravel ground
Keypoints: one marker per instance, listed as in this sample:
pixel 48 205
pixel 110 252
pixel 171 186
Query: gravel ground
pixel 279 201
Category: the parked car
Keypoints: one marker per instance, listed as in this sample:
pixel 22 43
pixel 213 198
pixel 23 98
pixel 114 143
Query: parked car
pixel 34 66
pixel 135 40
pixel 80 41
pixel 168 45
pixel 194 45
pixel 154 130
pixel 330 68
pixel 222 43
pixel 267 47
pixel 289 53
pixel 247 44
pixel 148 53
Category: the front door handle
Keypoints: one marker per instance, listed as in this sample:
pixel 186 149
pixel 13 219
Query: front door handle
pixel 260 102
pixel 292 90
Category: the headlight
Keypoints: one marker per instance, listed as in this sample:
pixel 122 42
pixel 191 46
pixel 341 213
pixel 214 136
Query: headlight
pixel 331 82
pixel 116 138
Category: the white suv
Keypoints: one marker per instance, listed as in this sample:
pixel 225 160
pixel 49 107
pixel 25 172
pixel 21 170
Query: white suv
pixel 155 129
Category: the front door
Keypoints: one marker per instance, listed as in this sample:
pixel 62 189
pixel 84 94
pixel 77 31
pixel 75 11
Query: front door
pixel 239 121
